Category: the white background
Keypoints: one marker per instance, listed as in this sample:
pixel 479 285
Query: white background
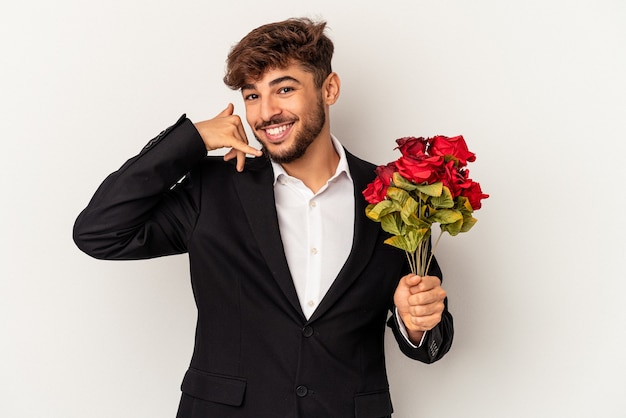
pixel 537 288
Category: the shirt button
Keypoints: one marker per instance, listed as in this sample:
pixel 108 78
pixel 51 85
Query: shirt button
pixel 311 303
pixel 312 204
pixel 313 250
pixel 307 331
pixel 302 391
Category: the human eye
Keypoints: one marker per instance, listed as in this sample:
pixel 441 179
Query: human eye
pixel 285 90
pixel 250 97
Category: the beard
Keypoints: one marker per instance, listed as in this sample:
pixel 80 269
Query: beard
pixel 311 126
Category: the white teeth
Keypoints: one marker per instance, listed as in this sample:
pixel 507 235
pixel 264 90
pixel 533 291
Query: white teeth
pixel 277 131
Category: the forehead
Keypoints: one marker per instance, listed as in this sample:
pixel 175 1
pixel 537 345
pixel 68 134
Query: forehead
pixel 271 76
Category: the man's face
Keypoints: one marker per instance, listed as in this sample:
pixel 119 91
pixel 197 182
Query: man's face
pixel 285 111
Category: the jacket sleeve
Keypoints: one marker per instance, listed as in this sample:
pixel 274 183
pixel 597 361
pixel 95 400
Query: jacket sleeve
pixel 143 210
pixel 437 341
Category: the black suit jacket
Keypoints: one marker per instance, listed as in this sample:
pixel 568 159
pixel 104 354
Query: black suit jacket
pixel 255 354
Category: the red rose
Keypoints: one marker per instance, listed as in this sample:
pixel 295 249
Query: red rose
pixel 385 172
pixel 375 192
pixel 454 147
pixel 410 145
pixel 455 179
pixel 426 170
pixel 474 194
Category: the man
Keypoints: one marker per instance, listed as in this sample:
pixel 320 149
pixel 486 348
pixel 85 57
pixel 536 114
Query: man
pixel 292 283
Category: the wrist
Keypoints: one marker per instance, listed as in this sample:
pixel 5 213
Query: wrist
pixel 415 336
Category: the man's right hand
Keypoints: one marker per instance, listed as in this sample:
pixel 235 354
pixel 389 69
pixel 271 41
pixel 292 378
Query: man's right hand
pixel 226 131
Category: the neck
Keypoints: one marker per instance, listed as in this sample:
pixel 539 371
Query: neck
pixel 317 165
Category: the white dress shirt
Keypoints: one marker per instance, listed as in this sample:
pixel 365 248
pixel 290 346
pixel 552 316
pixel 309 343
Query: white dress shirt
pixel 317 229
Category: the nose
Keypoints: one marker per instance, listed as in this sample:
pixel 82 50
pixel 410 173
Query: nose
pixel 269 108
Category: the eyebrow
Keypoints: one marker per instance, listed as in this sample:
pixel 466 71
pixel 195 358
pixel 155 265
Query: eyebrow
pixel 272 83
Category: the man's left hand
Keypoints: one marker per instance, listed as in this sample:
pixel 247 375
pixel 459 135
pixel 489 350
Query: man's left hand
pixel 419 301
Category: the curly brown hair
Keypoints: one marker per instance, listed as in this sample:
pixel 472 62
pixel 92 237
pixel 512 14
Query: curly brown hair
pixel 277 45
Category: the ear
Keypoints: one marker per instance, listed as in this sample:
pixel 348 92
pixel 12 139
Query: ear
pixel 331 89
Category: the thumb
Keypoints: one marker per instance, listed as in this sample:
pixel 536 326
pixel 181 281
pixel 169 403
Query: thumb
pixel 227 111
pixel 412 279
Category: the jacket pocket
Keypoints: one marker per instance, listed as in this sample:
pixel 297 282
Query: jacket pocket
pixel 373 405
pixel 228 390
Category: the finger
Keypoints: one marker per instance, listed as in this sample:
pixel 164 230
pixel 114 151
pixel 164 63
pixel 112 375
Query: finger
pixel 243 144
pixel 243 148
pixel 431 281
pixel 425 323
pixel 242 131
pixel 246 149
pixel 227 111
pixel 413 282
pixel 241 160
pixel 426 284
pixel 249 150
pixel 437 294
pixel 425 299
pixel 421 322
pixel 411 279
pixel 232 153
pixel 433 310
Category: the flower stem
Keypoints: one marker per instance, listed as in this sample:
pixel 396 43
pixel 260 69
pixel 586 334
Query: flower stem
pixel 411 263
pixel 432 251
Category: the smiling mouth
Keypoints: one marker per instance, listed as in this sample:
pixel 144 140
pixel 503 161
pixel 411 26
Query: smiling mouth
pixel 277 133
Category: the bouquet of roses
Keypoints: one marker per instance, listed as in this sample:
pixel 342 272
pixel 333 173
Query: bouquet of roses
pixel 428 184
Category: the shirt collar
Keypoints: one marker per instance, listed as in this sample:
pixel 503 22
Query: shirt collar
pixel 342 167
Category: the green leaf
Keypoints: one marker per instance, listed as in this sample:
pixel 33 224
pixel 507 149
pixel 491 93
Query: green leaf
pixel 453 228
pixel 463 205
pixel 410 240
pixel 446 216
pixel 402 242
pixel 444 201
pixel 422 234
pixel 468 223
pixel 409 210
pixel 393 224
pixel 402 183
pixel 434 189
pixel 398 196
pixel 425 211
pixel 377 211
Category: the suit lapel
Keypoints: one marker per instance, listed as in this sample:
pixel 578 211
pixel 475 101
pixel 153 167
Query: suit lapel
pixel 256 192
pixel 364 241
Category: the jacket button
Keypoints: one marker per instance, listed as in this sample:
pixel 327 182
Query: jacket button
pixel 307 331
pixel 302 391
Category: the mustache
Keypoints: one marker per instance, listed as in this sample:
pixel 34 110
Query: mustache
pixel 273 121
